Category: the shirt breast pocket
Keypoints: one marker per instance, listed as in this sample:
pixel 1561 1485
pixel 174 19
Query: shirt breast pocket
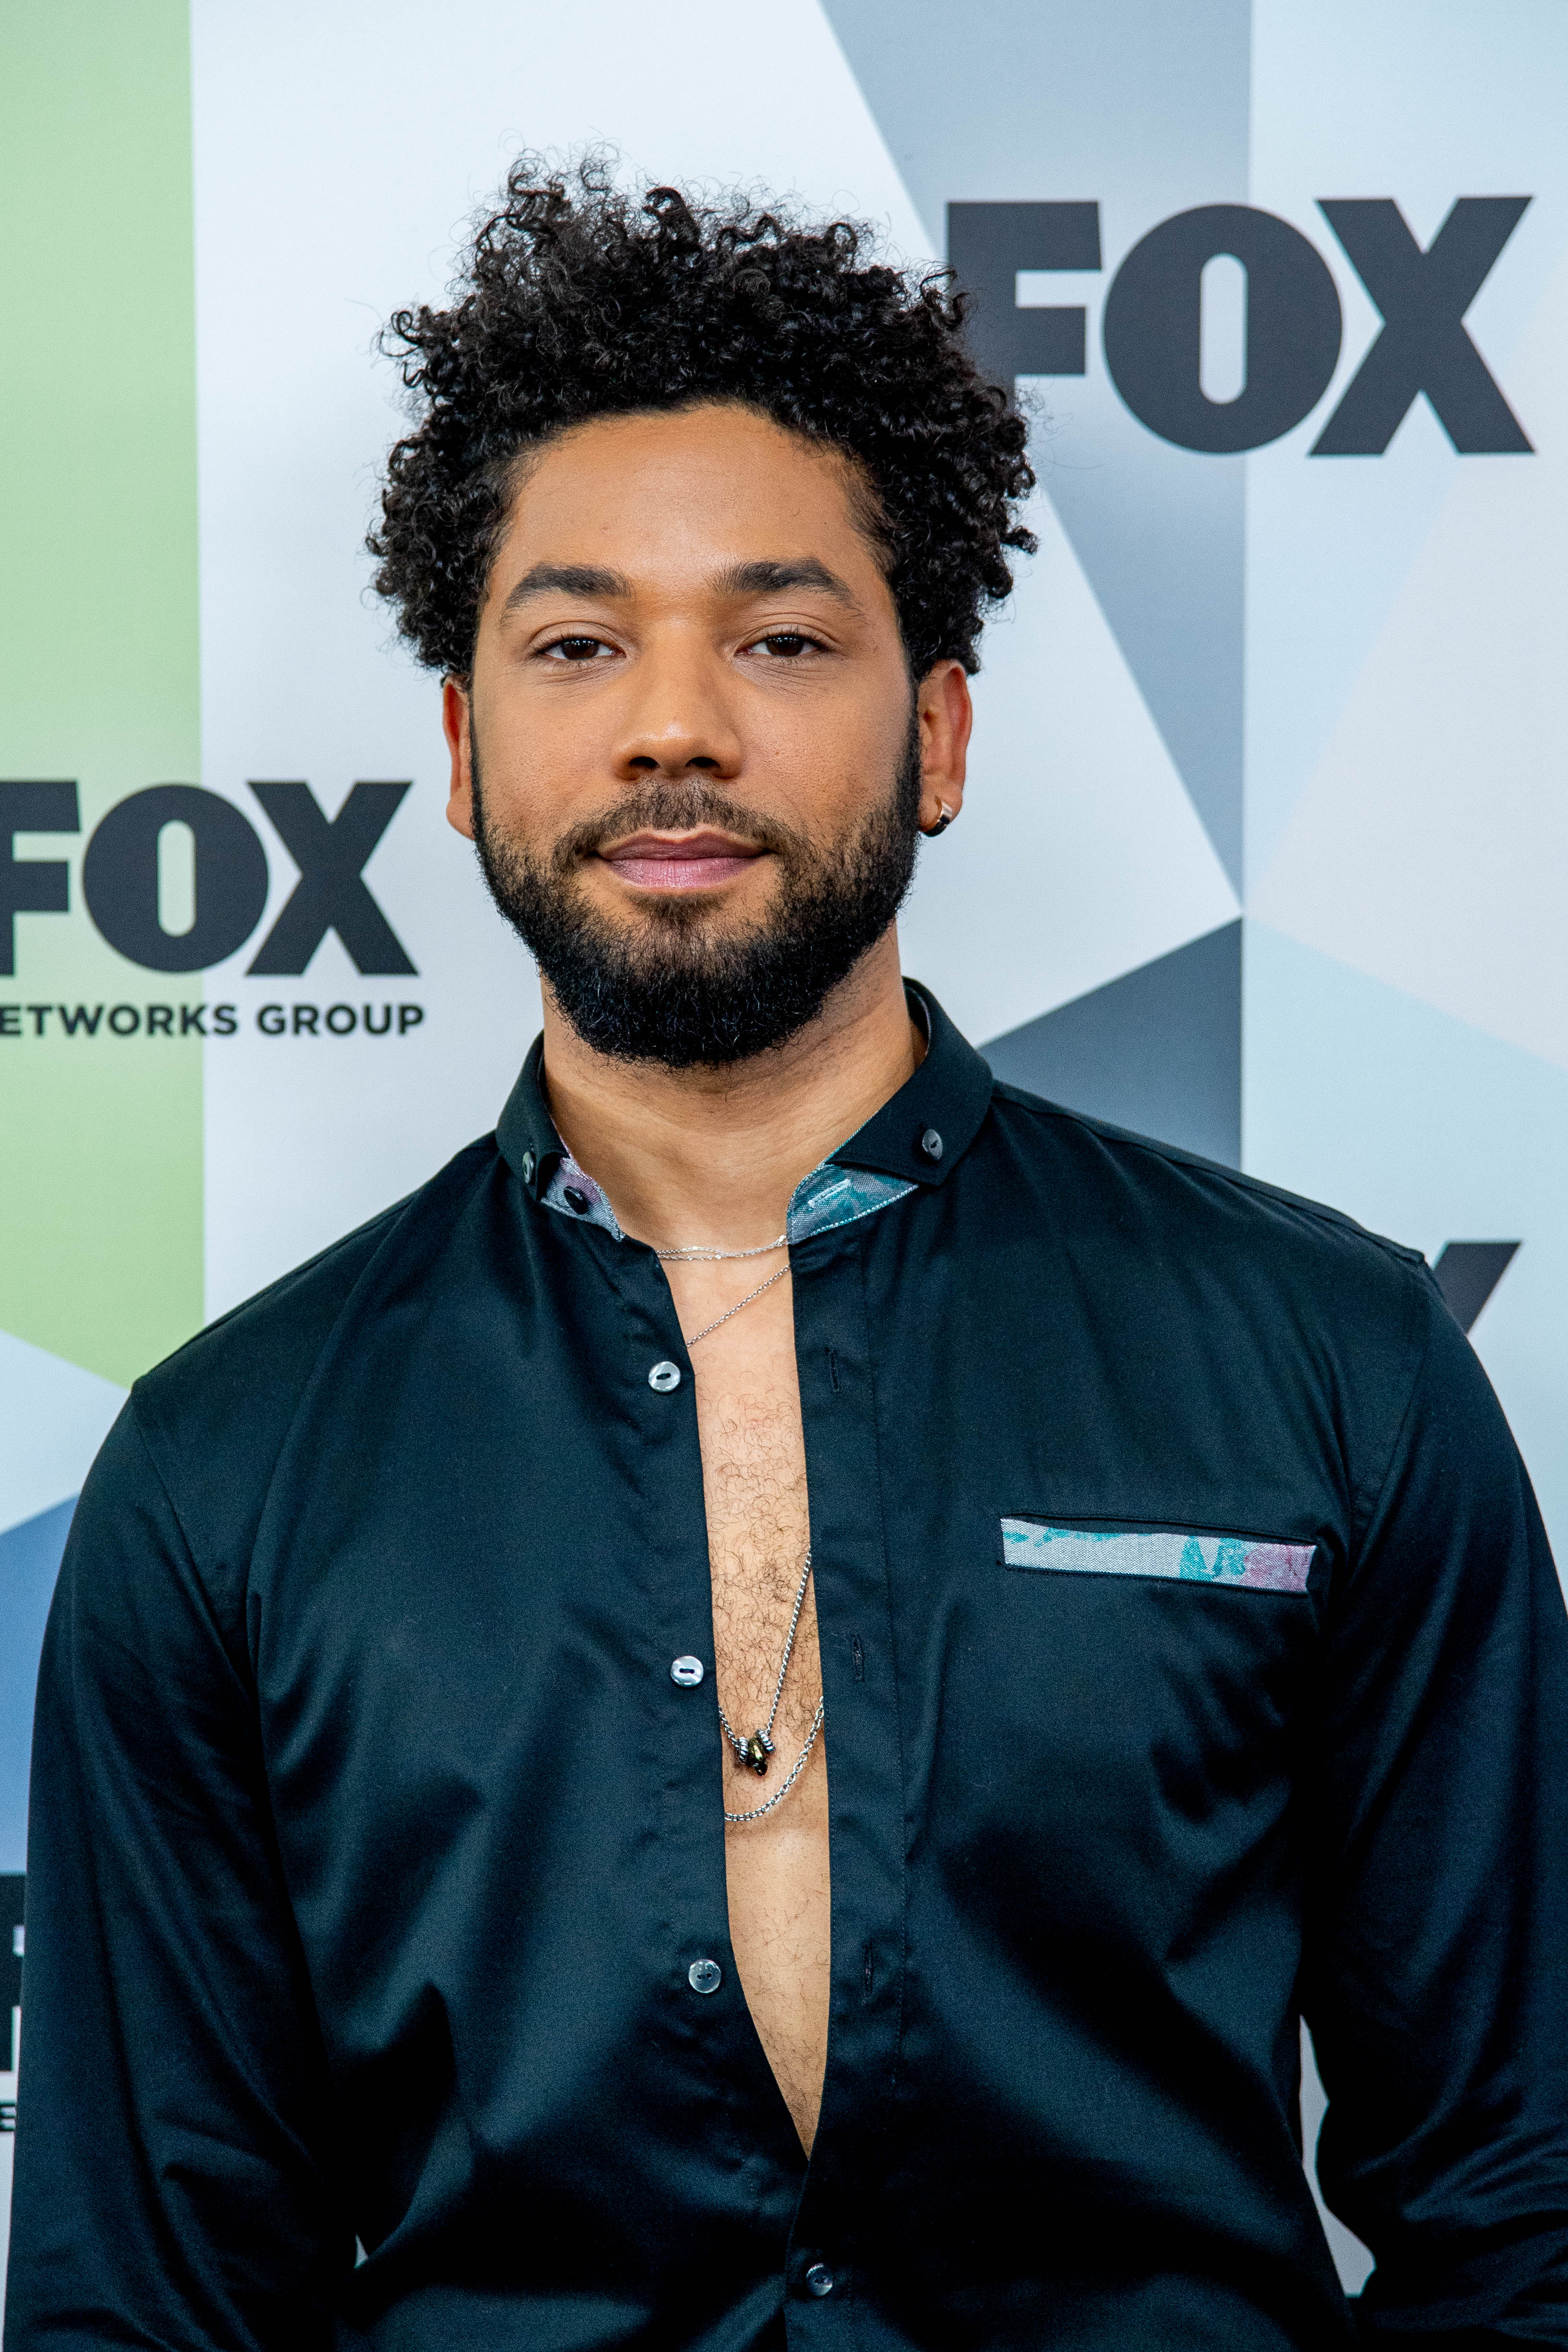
pixel 1176 1555
pixel 1127 1704
pixel 1138 1674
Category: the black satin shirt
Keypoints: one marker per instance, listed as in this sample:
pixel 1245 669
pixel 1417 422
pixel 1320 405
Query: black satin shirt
pixel 1193 1658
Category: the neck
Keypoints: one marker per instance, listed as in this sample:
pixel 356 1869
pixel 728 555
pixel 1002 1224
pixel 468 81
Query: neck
pixel 713 1155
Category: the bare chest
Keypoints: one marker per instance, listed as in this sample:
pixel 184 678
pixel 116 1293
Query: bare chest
pixel 754 1491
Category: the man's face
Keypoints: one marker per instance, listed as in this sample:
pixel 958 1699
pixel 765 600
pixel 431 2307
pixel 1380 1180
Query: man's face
pixel 691 753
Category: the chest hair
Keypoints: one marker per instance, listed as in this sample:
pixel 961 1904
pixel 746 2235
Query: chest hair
pixel 753 1480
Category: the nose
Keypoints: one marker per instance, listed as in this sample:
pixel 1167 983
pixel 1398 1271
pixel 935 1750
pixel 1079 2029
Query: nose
pixel 677 718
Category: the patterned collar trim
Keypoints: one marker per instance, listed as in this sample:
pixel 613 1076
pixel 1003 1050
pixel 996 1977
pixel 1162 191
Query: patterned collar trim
pixel 572 1191
pixel 830 1196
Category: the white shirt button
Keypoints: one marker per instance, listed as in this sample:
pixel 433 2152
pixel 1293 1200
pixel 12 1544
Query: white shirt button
pixel 705 1976
pixel 665 1377
pixel 687 1672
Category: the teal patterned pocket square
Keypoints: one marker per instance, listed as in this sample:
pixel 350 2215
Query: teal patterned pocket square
pixel 1246 1560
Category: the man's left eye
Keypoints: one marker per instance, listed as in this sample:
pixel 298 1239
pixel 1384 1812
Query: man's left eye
pixel 787 644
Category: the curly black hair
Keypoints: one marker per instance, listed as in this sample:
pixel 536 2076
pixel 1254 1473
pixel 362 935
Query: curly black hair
pixel 580 302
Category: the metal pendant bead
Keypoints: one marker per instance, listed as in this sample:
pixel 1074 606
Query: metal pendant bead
pixel 758 1750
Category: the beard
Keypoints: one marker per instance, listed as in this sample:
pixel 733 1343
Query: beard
pixel 674 985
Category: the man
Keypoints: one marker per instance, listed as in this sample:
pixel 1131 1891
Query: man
pixel 794 1603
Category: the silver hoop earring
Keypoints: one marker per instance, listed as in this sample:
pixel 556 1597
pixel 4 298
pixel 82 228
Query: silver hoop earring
pixel 943 821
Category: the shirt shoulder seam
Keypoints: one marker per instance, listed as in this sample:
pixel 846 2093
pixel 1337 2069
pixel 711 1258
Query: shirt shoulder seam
pixel 1363 1515
pixel 1255 1187
pixel 149 1424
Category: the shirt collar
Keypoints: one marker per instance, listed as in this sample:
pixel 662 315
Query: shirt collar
pixel 917 1138
pixel 923 1131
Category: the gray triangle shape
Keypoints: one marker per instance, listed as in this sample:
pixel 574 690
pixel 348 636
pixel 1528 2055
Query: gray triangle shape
pixel 1158 1050
pixel 1468 1272
pixel 1146 112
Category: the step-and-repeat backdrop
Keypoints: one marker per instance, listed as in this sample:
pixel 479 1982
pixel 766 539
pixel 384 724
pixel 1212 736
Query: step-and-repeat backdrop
pixel 1267 850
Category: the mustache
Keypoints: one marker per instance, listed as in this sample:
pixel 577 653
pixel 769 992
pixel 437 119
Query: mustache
pixel 674 806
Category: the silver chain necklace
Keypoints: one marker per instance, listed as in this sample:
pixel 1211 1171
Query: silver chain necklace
pixel 801 1762
pixel 757 1750
pixel 739 1303
pixel 703 1254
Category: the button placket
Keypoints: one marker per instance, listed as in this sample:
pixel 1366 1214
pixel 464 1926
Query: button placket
pixel 845 1473
pixel 691 1853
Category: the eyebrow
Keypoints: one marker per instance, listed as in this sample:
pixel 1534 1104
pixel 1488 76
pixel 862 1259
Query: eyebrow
pixel 765 579
pixel 566 580
pixel 775 579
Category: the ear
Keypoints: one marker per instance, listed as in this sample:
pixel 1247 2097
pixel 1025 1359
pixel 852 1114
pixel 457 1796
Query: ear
pixel 946 716
pixel 455 727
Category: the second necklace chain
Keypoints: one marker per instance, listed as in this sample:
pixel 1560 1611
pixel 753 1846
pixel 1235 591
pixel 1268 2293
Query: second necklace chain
pixel 700 1253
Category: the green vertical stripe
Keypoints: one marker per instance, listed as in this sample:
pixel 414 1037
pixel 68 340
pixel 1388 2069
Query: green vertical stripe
pixel 100 1139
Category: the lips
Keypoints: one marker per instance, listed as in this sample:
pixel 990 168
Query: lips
pixel 699 861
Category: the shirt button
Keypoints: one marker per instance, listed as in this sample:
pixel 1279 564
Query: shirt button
pixel 687 1672
pixel 930 1144
pixel 529 1164
pixel 575 1200
pixel 705 1976
pixel 820 2279
pixel 665 1377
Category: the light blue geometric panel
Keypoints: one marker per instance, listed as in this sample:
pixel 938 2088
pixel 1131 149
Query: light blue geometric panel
pixel 54 1416
pixel 1431 1131
pixel 1328 548
pixel 29 1563
pixel 1329 541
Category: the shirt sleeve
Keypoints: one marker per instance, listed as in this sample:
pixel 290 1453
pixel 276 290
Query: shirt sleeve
pixel 173 2106
pixel 1435 1974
